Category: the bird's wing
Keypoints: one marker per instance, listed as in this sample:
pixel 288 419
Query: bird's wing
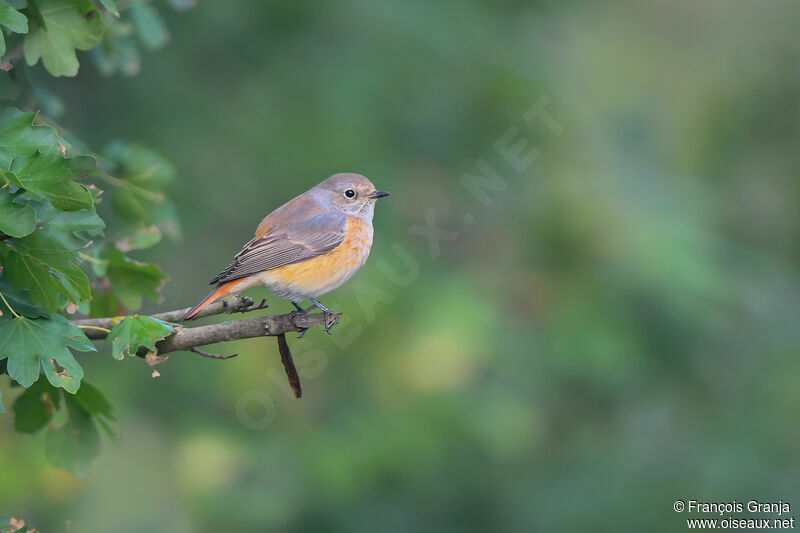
pixel 295 242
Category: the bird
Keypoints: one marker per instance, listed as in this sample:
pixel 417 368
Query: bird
pixel 306 248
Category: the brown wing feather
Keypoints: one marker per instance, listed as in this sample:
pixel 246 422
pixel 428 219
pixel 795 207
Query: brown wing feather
pixel 293 243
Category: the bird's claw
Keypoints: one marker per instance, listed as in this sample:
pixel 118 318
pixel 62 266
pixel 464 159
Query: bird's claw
pixel 331 319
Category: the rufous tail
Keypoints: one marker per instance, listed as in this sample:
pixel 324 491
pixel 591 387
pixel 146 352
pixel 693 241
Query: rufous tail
pixel 222 289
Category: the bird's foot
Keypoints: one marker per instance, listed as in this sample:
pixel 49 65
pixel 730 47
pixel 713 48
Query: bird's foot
pixel 331 319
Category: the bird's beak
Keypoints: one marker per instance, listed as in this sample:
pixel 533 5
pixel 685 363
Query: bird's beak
pixel 377 194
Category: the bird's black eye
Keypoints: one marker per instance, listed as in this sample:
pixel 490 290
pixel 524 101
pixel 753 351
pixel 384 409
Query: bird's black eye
pixel 350 193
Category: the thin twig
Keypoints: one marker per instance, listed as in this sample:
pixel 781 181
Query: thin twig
pixel 211 355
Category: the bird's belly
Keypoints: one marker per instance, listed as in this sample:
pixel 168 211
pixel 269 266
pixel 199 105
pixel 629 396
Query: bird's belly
pixel 315 277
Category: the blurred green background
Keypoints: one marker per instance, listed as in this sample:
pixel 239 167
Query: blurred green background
pixel 616 330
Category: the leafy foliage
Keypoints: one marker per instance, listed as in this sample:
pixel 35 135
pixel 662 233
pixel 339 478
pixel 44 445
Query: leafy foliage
pixel 74 440
pixel 131 280
pixel 55 254
pixel 60 29
pixel 77 442
pixel 134 331
pixel 16 219
pixel 19 137
pixel 51 176
pixel 12 20
pixel 33 344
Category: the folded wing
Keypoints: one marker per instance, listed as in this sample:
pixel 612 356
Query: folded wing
pixel 292 243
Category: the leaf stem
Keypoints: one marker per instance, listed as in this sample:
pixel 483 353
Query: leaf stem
pixel 87 257
pixel 9 306
pixel 95 327
pixel 118 182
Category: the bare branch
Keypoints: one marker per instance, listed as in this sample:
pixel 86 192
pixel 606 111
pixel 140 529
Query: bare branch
pixel 187 338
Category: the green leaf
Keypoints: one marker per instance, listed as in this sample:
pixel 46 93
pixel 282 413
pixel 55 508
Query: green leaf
pixel 118 53
pixel 131 280
pixel 34 408
pixel 16 219
pixel 26 272
pixel 92 401
pixel 51 175
pixel 141 239
pixel 111 6
pixel 19 137
pixel 13 20
pixel 134 331
pixel 20 301
pixel 140 165
pixel 72 228
pixel 135 205
pixel 41 263
pixel 104 304
pixel 77 443
pixel 30 344
pixel 148 23
pixel 2 407
pixel 65 29
pixel 139 199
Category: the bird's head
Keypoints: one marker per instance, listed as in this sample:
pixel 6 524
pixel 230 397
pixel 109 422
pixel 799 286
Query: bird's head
pixel 351 194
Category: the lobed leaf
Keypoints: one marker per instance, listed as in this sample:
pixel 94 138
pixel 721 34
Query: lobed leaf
pixel 51 175
pixel 63 30
pixel 32 344
pixel 19 137
pixel 42 264
pixel 134 331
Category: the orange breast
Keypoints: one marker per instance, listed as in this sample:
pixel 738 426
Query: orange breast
pixel 322 274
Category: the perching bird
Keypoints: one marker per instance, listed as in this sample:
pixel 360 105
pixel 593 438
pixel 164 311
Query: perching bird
pixel 307 247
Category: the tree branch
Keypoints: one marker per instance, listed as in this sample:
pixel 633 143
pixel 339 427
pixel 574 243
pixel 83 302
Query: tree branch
pixel 187 338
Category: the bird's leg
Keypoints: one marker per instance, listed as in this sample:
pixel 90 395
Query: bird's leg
pixel 301 311
pixel 331 317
